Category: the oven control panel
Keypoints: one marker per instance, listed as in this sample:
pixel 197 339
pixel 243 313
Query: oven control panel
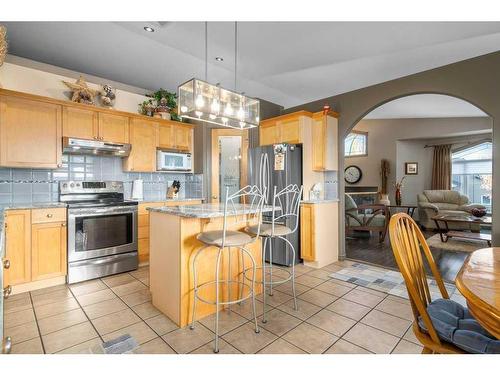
pixel 82 187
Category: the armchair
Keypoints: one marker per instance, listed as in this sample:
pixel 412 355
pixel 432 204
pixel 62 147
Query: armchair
pixel 444 202
pixel 367 217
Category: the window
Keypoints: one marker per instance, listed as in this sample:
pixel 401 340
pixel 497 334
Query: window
pixel 356 144
pixel 472 173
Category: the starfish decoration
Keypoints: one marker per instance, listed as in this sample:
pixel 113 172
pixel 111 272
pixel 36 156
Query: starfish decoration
pixel 81 92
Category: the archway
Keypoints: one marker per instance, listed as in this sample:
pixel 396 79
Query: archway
pixel 407 135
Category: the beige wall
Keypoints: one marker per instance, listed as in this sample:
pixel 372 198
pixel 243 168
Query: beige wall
pixel 32 77
pixel 403 140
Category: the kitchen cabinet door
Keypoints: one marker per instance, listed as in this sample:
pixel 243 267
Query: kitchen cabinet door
pixel 18 246
pixel 268 134
pixel 289 131
pixel 183 137
pixel 113 128
pixel 79 123
pixel 144 140
pixel 48 250
pixel 30 133
pixel 324 140
pixel 307 233
pixel 166 136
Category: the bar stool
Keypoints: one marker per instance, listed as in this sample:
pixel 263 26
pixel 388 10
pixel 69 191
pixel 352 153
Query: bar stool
pixel 249 210
pixel 284 221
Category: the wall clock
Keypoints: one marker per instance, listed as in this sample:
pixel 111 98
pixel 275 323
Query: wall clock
pixel 352 174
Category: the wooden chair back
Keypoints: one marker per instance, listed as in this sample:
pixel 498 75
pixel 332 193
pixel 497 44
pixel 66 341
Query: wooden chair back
pixel 410 248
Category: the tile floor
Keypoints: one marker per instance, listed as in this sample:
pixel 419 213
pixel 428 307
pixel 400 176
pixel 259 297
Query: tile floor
pixel 333 317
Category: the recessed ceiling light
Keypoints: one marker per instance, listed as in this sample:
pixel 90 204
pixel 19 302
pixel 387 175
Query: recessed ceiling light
pixel 218 58
pixel 149 29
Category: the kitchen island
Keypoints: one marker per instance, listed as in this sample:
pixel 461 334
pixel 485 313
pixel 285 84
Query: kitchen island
pixel 173 232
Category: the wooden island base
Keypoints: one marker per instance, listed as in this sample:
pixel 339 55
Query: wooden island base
pixel 173 240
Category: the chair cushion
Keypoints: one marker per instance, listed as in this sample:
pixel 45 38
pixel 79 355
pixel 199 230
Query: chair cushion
pixel 349 202
pixel 233 238
pixel 266 229
pixel 454 324
pixel 444 196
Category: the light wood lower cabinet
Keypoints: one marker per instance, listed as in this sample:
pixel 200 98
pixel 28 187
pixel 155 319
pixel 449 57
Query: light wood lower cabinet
pixel 307 248
pixel 18 246
pixel 48 250
pixel 36 245
pixel 319 229
pixel 143 225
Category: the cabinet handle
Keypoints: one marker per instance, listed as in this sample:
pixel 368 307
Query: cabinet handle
pixel 63 224
pixel 6 264
pixel 7 291
pixel 49 215
pixel 6 345
pixel 59 165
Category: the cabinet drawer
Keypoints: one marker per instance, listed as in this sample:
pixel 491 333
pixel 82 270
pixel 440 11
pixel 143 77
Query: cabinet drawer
pixel 48 215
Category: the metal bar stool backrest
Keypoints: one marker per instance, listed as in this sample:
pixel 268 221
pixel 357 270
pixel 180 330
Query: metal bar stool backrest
pixel 408 244
pixel 286 205
pixel 243 206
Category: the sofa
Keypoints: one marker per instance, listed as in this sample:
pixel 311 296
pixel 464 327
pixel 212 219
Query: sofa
pixel 445 202
pixel 366 218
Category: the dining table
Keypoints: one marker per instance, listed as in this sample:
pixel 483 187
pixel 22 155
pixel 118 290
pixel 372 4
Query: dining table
pixel 479 282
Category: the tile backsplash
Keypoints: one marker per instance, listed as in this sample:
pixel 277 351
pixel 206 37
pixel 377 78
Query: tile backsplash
pixel 37 186
pixel 331 190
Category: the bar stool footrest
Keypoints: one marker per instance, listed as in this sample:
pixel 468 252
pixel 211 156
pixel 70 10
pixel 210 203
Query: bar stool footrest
pixel 224 283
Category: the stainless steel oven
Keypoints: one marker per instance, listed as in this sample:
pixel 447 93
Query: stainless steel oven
pixel 102 230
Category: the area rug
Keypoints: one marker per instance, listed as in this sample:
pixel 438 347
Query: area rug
pixel 383 280
pixel 124 344
pixel 455 244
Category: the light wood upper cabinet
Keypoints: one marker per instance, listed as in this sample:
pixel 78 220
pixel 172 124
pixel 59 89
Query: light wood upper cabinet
pixel 289 131
pixel 166 136
pixel 307 235
pixel 30 133
pixel 283 129
pixel 268 134
pixel 144 140
pixel 183 137
pixel 113 128
pixel 18 246
pixel 48 250
pixel 324 142
pixel 79 123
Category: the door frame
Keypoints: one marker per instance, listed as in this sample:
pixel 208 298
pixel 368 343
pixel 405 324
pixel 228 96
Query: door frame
pixel 214 178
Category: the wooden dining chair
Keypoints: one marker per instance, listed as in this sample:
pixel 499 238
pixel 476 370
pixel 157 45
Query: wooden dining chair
pixel 409 247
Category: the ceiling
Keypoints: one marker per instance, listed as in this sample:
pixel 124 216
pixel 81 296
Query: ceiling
pixel 425 106
pixel 289 63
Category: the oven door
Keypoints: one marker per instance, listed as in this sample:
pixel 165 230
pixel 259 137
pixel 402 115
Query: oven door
pixel 101 231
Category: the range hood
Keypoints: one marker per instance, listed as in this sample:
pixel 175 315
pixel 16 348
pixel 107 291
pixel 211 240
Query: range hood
pixel 92 147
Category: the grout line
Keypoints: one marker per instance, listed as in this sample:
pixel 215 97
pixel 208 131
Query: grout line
pixel 89 320
pixel 37 326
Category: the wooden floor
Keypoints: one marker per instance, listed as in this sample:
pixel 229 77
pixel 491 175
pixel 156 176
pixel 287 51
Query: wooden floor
pixel 368 249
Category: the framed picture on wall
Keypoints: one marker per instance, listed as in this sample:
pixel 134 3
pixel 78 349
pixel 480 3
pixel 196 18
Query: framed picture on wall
pixel 411 168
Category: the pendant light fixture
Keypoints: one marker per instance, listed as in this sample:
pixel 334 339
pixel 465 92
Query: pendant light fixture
pixel 203 101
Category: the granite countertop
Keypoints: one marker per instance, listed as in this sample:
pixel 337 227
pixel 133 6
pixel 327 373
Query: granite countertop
pixel 207 210
pixel 167 200
pixel 320 201
pixel 28 206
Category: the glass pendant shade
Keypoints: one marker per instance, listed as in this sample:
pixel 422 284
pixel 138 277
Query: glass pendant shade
pixel 200 100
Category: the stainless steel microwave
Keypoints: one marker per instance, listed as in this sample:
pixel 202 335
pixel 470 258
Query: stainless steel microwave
pixel 173 161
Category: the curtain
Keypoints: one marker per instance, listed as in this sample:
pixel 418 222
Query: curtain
pixel 441 168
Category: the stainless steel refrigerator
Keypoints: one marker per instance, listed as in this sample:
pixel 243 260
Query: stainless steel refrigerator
pixel 291 174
